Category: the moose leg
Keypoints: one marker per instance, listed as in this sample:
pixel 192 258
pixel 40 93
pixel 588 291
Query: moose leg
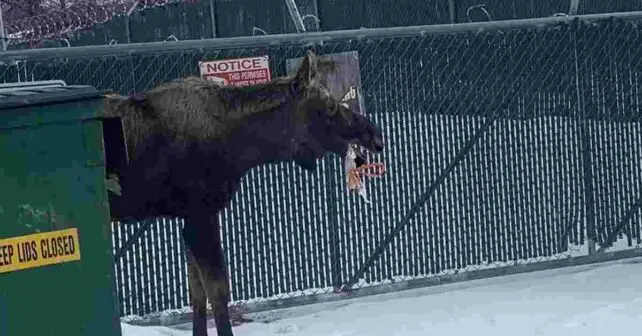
pixel 203 239
pixel 198 296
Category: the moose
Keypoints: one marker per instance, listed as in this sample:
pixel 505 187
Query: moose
pixel 189 142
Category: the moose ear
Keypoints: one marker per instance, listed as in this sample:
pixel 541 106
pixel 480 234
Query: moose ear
pixel 308 70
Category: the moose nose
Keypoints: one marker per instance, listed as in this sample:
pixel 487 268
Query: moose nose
pixel 378 144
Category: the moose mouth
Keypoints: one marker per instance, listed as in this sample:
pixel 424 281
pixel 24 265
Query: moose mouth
pixel 372 147
pixel 361 153
pixel 307 154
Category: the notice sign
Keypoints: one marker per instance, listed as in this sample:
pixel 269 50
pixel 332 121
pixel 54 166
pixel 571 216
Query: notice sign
pixel 237 71
pixel 40 249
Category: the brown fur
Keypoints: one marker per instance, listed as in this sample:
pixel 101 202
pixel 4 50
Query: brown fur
pixel 189 109
pixel 195 109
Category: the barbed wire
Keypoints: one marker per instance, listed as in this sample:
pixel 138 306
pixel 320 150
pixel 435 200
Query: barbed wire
pixel 59 18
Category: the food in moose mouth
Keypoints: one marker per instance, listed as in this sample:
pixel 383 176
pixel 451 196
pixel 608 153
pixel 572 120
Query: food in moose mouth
pixel 357 168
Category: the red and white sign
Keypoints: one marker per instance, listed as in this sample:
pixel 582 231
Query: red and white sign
pixel 237 71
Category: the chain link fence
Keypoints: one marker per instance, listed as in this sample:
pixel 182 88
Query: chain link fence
pixel 508 143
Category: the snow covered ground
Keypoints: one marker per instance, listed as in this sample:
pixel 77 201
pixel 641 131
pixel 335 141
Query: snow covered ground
pixel 584 300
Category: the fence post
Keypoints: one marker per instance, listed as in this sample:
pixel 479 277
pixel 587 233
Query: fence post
pixel 587 171
pixel 452 10
pixel 213 18
pixel 128 34
pixel 3 37
pixel 333 220
pixel 575 5
pixel 587 164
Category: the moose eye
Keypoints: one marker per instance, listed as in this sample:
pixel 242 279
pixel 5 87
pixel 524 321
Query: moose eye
pixel 333 107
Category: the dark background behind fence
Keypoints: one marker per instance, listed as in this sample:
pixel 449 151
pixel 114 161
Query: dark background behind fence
pixel 504 146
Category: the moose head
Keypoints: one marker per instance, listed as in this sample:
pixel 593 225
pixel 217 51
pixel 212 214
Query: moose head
pixel 326 124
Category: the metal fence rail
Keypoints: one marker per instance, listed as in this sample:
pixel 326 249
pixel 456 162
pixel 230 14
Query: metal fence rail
pixel 507 144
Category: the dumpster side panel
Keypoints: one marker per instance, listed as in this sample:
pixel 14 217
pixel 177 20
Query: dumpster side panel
pixel 50 180
pixel 49 114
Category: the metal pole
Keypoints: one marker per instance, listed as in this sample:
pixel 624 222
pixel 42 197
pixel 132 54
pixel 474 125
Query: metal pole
pixel 452 11
pixel 575 5
pixel 296 16
pixel 213 18
pixel 2 34
pixel 128 33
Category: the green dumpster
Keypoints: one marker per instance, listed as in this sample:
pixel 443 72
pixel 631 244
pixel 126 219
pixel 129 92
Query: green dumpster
pixel 56 261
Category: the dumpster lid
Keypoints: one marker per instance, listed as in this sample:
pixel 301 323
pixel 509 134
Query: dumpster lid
pixel 14 95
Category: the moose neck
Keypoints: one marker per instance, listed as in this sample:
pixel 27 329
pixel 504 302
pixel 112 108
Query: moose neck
pixel 262 138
